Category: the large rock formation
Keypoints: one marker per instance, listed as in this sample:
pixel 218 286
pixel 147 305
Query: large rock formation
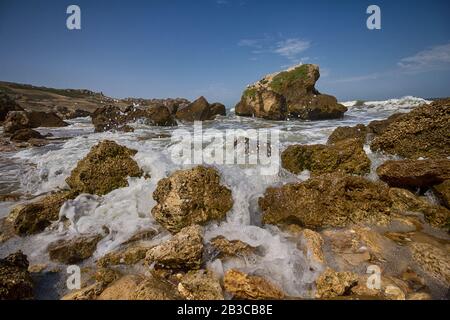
pixel 105 168
pixel 17 120
pixel 15 280
pixel 424 132
pixel 345 156
pixel 289 94
pixel 113 117
pixel 330 200
pixel 193 196
pixel 183 251
pixel 201 110
pixel 415 173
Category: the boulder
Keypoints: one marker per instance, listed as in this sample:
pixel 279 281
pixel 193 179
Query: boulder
pixel 122 289
pixel 200 110
pixel 128 256
pixel 358 132
pixel 6 105
pixel 377 127
pixel 330 200
pixel 34 217
pixel 193 196
pixel 105 168
pixel 25 135
pixel 415 173
pixel 17 120
pixel 231 248
pixel 247 287
pixel 90 292
pixel 289 94
pixel 200 285
pixel 183 251
pixel 74 250
pixel 15 280
pixel 443 192
pixel 113 118
pixel 424 132
pixel 345 156
pixel 153 288
pixel 65 113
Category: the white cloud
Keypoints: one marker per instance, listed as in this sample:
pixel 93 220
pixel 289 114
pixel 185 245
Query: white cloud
pixel 291 48
pixel 435 58
pixel 222 2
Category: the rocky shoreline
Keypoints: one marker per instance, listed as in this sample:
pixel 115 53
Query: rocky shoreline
pixel 342 219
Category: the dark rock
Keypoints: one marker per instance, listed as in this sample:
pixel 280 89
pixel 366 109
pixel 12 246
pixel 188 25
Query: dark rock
pixel 377 127
pixel 25 135
pixel 15 280
pixel 6 105
pixel 358 132
pixel 73 250
pixel 200 110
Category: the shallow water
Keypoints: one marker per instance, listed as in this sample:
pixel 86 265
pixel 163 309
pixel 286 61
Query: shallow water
pixel 125 211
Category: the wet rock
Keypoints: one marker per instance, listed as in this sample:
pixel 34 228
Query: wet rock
pixel 25 135
pixel 421 133
pixel 200 110
pixel 142 235
pixel 346 156
pixel 358 132
pixel 73 250
pixel 200 285
pixel 106 276
pixel 330 200
pixel 313 243
pixel 34 217
pixel 45 119
pixel 133 287
pixel 247 287
pixel 377 127
pixel 289 93
pixel 193 196
pixel 90 292
pixel 106 168
pixel 6 105
pixel 415 173
pixel 15 280
pixel 128 256
pixel 231 248
pixel 443 192
pixel 390 288
pixel 433 260
pixel 406 201
pixel 331 284
pixel 113 118
pixel 183 251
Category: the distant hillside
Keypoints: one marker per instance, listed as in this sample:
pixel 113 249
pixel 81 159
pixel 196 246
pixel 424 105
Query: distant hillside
pixel 44 99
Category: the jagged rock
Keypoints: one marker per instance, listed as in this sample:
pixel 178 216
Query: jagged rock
pixel 246 287
pixel 200 285
pixel 358 133
pixel 330 200
pixel 34 217
pixel 331 284
pixel 15 280
pixel 16 120
pixel 105 168
pixel 289 93
pixel 183 251
pixel 377 127
pixel 65 113
pixel 127 256
pixel 443 192
pixel 106 276
pixel 231 248
pixel 193 196
pixel 90 292
pixel 404 201
pixel 200 110
pixel 424 132
pixel 346 156
pixel 433 260
pixel 74 250
pixel 6 105
pixel 25 135
pixel 415 173
pixel 113 117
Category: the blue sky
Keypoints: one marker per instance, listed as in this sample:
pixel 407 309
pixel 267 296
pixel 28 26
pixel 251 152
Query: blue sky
pixel 170 48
